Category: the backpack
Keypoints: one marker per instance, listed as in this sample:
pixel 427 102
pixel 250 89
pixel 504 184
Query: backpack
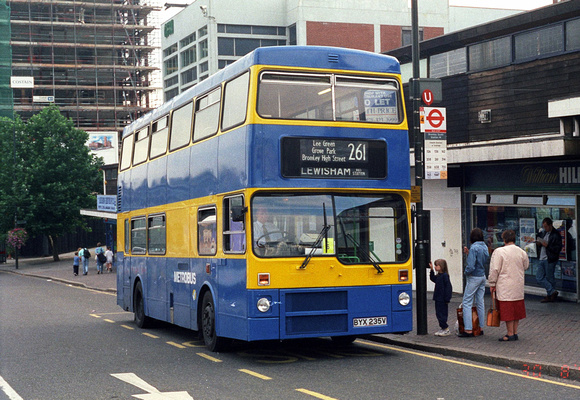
pixel 101 257
pixel 86 253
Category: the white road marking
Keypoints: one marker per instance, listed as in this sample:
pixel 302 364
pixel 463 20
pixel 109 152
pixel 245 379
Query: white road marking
pixel 152 392
pixel 7 389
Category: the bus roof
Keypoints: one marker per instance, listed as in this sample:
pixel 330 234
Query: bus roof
pixel 319 57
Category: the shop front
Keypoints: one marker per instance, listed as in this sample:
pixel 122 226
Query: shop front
pixel 518 197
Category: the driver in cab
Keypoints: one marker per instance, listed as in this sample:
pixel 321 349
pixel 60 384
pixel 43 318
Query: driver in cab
pixel 265 232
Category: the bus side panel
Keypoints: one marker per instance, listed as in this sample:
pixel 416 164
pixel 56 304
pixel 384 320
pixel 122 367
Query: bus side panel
pixel 156 292
pixel 157 182
pixel 232 304
pixel 124 181
pixel 233 171
pixel 203 169
pixel 123 281
pixel 180 284
pixel 177 176
pixel 139 187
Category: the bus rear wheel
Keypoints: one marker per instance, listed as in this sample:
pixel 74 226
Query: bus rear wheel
pixel 141 320
pixel 210 338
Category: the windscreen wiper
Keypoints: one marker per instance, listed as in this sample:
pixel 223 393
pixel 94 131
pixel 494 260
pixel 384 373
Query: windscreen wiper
pixel 364 253
pixel 321 235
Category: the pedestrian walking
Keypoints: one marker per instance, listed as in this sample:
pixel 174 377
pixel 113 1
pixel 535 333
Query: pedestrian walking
pixel 477 258
pixel 109 256
pixel 76 263
pixel 85 255
pixel 506 279
pixel 100 258
pixel 441 294
pixel 549 245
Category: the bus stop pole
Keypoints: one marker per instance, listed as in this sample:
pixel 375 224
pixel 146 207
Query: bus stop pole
pixel 421 216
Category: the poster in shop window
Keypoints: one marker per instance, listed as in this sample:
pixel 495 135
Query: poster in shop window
pixel 528 236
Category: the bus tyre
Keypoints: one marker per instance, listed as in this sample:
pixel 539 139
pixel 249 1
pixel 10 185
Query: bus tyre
pixel 141 320
pixel 211 340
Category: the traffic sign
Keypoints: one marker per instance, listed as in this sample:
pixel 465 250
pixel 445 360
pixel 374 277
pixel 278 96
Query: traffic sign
pixel 433 119
pixel 427 97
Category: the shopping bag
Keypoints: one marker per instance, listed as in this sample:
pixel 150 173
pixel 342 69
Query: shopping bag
pixel 493 313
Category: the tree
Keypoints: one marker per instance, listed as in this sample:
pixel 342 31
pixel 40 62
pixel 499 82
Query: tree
pixel 54 176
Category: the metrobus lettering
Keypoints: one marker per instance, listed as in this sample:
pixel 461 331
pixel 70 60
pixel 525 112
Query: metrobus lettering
pixel 326 171
pixel 184 277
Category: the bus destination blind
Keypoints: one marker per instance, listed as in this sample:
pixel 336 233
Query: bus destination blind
pixel 333 158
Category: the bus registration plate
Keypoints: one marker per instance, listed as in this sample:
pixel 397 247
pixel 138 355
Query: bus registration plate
pixel 372 321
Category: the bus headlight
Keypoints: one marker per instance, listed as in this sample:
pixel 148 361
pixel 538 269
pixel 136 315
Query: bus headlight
pixel 263 304
pixel 404 298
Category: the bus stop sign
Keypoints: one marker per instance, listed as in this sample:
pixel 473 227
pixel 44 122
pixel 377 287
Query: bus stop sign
pixel 430 90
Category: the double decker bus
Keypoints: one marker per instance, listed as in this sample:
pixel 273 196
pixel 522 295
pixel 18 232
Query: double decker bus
pixel 271 201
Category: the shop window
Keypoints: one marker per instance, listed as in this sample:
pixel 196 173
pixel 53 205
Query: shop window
pixel 561 201
pixel 530 200
pixel 206 232
pixel 502 199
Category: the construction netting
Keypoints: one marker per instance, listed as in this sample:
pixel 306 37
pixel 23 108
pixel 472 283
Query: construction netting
pixel 6 101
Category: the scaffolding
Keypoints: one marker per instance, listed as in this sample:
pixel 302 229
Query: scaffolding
pixel 97 60
pixel 6 103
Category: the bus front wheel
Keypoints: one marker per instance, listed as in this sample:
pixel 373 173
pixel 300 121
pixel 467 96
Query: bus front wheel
pixel 210 338
pixel 141 320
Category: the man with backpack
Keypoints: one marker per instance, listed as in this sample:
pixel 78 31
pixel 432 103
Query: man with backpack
pixel 101 259
pixel 85 255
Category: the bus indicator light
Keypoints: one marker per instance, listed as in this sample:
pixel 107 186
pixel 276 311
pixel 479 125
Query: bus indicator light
pixel 403 275
pixel 264 279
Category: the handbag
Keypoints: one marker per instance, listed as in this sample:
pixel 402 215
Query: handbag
pixel 493 313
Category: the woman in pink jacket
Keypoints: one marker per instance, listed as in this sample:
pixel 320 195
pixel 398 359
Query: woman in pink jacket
pixel 506 279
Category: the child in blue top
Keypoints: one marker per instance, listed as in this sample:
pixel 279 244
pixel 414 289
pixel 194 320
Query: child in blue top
pixel 76 263
pixel 442 294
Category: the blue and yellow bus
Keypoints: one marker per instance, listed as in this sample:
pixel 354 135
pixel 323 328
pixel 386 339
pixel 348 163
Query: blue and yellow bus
pixel 271 201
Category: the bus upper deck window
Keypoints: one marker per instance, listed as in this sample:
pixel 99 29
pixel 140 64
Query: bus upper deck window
pixel 141 146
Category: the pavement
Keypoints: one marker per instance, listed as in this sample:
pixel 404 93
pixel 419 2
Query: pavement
pixel 548 345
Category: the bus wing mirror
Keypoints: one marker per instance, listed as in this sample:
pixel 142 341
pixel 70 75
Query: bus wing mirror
pixel 238 212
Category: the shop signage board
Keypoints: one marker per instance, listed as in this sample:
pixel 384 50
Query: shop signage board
pixel 434 125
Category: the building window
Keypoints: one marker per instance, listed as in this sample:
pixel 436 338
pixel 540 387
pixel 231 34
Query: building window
pixel 170 50
pixel 171 94
pixel 170 82
pixel 187 40
pixel 203 67
pixel 206 232
pixel 241 46
pixel 450 63
pixel 224 63
pixel 170 65
pixel 539 42
pixel 188 76
pixel 292 35
pixel 491 54
pixel 573 35
pixel 226 46
pixel 203 51
pixel 202 31
pixel 188 56
pixel 407 36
